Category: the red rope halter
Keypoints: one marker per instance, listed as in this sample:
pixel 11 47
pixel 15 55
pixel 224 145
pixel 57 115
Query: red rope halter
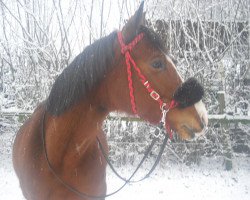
pixel 125 50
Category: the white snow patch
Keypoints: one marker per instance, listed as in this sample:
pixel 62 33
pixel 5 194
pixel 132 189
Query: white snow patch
pixel 208 181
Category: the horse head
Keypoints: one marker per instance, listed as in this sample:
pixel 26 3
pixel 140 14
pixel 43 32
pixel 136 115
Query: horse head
pixel 147 83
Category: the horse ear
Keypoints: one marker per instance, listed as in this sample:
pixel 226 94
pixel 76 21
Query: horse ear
pixel 131 28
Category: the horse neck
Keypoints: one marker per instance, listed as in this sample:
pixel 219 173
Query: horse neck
pixel 74 132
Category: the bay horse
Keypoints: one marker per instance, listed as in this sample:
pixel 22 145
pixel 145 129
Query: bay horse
pixel 55 152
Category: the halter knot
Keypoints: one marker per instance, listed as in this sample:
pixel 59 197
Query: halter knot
pixel 128 48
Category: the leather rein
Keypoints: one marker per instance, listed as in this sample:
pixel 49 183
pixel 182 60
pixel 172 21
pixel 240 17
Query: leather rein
pixel 125 50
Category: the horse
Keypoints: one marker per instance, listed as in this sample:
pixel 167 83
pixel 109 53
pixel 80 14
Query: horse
pixel 56 154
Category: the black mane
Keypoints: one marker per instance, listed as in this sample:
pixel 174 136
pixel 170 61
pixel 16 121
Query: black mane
pixel 84 73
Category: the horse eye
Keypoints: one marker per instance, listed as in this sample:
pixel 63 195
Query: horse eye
pixel 158 64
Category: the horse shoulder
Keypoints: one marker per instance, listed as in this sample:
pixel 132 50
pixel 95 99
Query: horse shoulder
pixel 28 144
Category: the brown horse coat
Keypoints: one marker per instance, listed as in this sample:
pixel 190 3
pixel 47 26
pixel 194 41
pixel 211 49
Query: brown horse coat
pixel 93 85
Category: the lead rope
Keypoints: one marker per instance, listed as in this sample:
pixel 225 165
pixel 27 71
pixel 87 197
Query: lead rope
pixel 143 159
pixel 67 185
pixel 126 181
pixel 166 138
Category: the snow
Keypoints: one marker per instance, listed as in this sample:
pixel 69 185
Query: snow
pixel 229 117
pixel 209 180
pixel 221 92
pixel 175 181
pixel 182 182
pixel 171 180
pixel 8 183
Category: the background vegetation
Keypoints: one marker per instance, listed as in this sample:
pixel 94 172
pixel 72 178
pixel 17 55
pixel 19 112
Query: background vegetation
pixel 208 39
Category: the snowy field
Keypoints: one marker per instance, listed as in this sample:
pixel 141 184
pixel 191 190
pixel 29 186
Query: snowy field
pixel 204 182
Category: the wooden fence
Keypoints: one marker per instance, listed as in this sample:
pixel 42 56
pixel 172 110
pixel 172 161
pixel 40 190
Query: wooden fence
pixel 222 119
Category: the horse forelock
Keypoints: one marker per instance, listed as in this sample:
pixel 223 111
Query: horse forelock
pixel 154 38
pixel 83 74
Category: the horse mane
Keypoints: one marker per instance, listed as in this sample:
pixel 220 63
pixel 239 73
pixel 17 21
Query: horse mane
pixel 86 71
pixel 82 75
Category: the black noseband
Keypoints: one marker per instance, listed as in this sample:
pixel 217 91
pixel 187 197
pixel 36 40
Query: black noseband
pixel 189 93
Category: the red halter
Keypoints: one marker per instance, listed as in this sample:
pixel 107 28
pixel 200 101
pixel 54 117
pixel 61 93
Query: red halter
pixel 126 49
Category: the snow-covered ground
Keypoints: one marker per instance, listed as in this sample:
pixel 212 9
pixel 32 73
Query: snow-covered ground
pixel 207 181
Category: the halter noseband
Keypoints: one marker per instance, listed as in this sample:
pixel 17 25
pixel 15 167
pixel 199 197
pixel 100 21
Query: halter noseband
pixel 125 50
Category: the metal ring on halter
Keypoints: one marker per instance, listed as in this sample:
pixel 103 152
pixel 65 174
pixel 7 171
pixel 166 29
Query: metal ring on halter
pixel 164 112
pixel 163 106
pixel 163 117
